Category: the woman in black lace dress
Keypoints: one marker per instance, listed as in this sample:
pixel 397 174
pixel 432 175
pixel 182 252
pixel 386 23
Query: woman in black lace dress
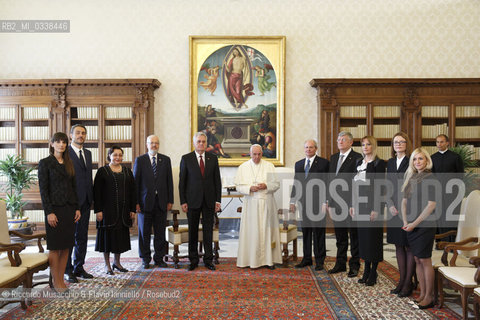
pixel 56 180
pixel 115 202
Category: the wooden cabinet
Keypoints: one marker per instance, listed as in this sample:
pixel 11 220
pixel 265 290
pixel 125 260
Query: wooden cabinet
pixel 422 108
pixel 115 111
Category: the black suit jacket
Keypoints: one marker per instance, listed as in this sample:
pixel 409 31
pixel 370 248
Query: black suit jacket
pixel 396 177
pixel 448 162
pixel 83 177
pixel 318 165
pixel 194 188
pixel 57 188
pixel 147 184
pixel 347 172
pixel 375 170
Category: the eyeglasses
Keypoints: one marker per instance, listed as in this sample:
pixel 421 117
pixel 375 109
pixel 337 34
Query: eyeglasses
pixel 397 143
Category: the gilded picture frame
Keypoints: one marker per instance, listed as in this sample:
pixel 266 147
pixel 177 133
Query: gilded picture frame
pixel 237 95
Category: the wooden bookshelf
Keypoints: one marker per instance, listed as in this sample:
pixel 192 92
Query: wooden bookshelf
pixel 115 111
pixel 422 108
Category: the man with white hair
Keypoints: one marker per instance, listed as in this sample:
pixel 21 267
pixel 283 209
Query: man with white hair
pixel 154 186
pixel 259 240
pixel 200 189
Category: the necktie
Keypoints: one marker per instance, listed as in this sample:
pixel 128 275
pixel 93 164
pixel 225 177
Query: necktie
pixel 307 168
pixel 202 166
pixel 82 160
pixel 154 166
pixel 339 163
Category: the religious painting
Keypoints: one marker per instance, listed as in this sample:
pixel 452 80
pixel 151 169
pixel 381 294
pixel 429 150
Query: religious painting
pixel 237 95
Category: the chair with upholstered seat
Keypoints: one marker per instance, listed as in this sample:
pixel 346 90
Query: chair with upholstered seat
pixel 463 279
pixel 11 275
pixel 467 239
pixel 288 233
pixel 34 261
pixel 178 234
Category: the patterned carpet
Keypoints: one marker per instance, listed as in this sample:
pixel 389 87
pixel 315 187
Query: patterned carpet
pixel 232 293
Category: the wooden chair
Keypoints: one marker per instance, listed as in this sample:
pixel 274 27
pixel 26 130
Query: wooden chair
pixel 463 279
pixel 288 233
pixel 467 240
pixel 178 234
pixel 35 261
pixel 476 302
pixel 11 275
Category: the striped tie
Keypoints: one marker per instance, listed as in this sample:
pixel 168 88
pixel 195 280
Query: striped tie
pixel 307 168
pixel 154 166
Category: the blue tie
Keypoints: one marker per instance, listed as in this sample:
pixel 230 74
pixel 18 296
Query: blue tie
pixel 154 166
pixel 307 168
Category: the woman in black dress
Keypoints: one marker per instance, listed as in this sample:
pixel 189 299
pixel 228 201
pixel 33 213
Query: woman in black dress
pixel 370 230
pixel 115 201
pixel 417 205
pixel 396 167
pixel 56 180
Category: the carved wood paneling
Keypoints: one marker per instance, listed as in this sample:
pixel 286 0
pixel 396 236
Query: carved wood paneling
pixel 410 94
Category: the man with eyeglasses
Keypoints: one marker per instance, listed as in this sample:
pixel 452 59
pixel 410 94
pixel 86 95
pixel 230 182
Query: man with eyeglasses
pixel 343 166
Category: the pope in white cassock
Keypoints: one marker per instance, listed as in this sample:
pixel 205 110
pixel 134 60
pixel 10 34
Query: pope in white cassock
pixel 259 240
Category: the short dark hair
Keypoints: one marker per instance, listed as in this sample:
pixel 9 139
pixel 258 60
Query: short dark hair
pixel 111 150
pixel 442 135
pixel 76 126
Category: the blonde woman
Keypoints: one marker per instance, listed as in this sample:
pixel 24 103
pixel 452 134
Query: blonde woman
pixel 370 232
pixel 417 205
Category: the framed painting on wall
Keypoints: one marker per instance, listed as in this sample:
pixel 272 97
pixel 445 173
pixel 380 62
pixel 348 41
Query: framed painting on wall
pixel 237 89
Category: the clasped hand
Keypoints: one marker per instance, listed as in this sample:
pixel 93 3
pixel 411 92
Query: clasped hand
pixel 258 187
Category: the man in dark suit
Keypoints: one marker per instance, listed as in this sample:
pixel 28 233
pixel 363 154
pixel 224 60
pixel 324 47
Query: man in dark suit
pixel 200 190
pixel 446 165
pixel 305 170
pixel 82 162
pixel 343 166
pixel 154 184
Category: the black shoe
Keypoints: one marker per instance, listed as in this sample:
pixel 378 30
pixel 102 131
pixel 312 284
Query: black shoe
pixel 372 279
pixel 110 272
pixel 192 266
pixel 146 265
pixel 364 278
pixel 396 290
pixel 337 269
pixel 408 293
pixel 319 267
pixel 271 267
pixel 114 266
pixel 210 266
pixel 83 274
pixel 428 306
pixel 70 277
pixel 303 264
pixel 161 264
pixel 352 273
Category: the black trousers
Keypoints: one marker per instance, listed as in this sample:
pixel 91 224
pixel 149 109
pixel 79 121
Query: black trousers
pixel 341 234
pixel 81 241
pixel 319 249
pixel 207 225
pixel 157 218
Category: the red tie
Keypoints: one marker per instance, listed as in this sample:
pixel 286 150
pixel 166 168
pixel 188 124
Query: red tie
pixel 202 166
